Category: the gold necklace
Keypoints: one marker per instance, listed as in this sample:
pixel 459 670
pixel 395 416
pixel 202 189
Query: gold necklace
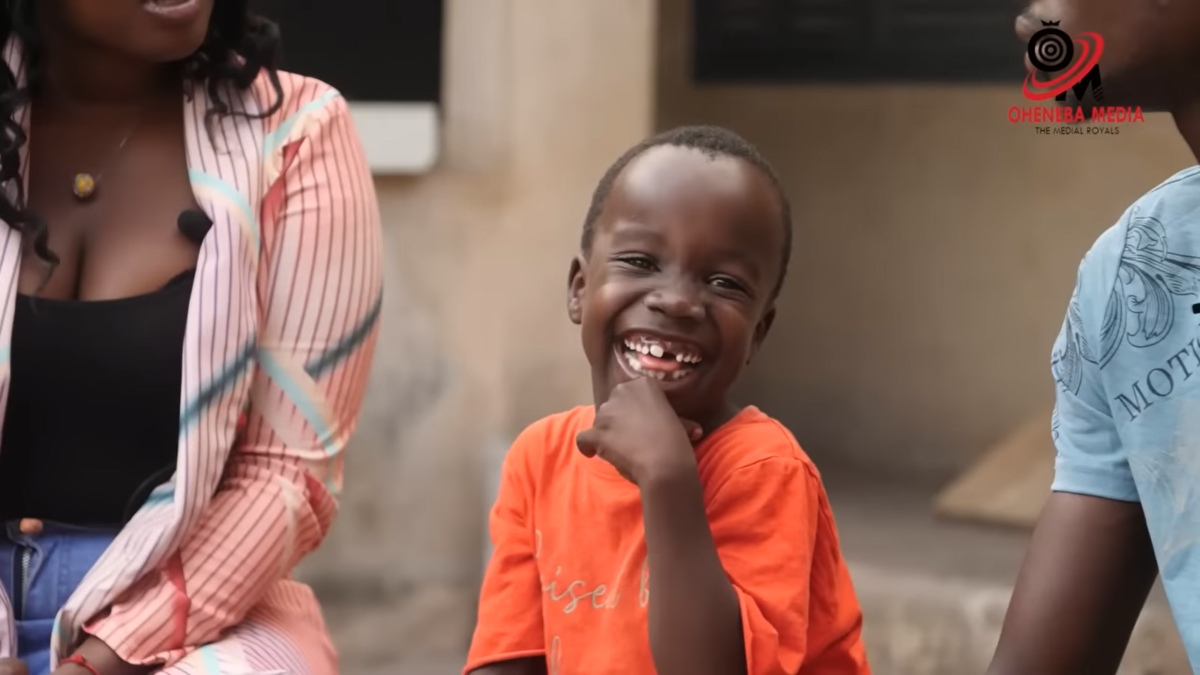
pixel 84 184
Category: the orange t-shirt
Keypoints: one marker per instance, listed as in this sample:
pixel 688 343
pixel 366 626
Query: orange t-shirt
pixel 568 576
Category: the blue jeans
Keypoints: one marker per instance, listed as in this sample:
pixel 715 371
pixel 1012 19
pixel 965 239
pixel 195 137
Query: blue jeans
pixel 39 573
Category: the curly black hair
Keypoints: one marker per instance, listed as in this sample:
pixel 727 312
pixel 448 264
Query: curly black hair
pixel 714 142
pixel 240 45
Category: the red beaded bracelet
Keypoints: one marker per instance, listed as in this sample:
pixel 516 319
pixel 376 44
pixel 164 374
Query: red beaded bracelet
pixel 78 660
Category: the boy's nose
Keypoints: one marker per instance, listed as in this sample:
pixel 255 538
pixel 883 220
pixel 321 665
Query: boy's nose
pixel 676 302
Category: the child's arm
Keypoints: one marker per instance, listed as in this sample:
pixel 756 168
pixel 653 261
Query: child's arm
pixel 695 621
pixel 1080 591
pixel 757 579
pixel 1090 564
pixel 508 636
pixel 731 580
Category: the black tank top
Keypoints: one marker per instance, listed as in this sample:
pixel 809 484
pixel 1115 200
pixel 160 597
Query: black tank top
pixel 92 424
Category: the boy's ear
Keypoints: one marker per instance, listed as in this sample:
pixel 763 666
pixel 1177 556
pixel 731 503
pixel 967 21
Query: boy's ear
pixel 575 285
pixel 760 331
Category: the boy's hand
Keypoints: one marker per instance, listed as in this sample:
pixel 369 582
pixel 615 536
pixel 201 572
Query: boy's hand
pixel 13 667
pixel 638 432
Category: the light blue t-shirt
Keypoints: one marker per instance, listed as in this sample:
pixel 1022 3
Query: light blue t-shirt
pixel 1127 364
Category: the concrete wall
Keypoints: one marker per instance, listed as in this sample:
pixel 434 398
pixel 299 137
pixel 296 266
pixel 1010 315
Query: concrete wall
pixel 935 250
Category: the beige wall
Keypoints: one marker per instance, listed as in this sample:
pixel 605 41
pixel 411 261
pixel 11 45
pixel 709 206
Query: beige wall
pixel 936 246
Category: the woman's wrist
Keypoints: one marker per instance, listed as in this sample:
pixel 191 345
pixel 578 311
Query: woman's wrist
pixel 103 659
pixel 73 668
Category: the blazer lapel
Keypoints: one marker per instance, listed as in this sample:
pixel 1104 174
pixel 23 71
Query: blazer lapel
pixel 10 238
pixel 224 166
pixel 10 267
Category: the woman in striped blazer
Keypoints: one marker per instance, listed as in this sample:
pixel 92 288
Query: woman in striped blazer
pixel 189 291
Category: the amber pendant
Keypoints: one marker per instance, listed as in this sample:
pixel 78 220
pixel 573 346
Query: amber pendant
pixel 84 186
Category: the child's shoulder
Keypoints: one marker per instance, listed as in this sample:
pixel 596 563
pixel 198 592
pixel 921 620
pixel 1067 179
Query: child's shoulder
pixel 559 425
pixel 752 438
pixel 554 434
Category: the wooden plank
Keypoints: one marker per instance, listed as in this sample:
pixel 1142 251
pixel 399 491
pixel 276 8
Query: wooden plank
pixel 1009 484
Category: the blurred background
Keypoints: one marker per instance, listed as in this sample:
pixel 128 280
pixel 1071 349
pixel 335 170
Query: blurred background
pixel 935 250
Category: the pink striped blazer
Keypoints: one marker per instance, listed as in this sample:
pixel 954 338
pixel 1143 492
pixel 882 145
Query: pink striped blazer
pixel 281 328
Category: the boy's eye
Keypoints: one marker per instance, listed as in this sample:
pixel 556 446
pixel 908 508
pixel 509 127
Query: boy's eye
pixel 727 283
pixel 638 261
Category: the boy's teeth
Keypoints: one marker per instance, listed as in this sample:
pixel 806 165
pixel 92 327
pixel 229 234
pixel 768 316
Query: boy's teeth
pixel 637 367
pixel 658 351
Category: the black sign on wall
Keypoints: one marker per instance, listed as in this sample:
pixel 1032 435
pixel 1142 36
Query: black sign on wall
pixel 370 50
pixel 855 40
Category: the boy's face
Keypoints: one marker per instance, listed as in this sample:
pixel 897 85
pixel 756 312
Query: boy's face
pixel 1151 47
pixel 678 283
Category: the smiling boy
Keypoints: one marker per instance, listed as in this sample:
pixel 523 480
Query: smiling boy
pixel 667 530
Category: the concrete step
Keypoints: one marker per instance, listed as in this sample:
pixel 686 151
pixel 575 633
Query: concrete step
pixel 934 593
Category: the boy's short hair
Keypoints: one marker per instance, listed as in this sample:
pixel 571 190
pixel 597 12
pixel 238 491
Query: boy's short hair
pixel 714 142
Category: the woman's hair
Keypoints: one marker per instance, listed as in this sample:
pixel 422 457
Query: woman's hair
pixel 238 47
